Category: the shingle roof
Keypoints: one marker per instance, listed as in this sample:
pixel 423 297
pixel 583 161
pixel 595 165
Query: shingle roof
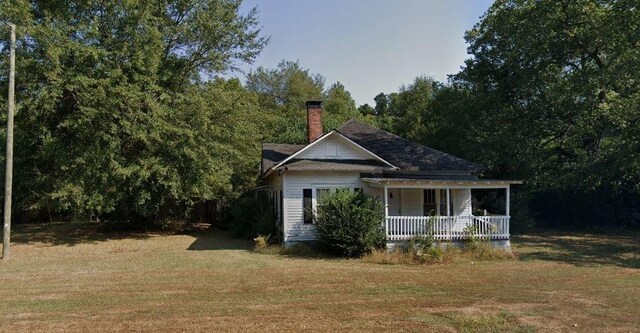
pixel 405 154
pixel 337 165
pixel 402 153
pixel 272 153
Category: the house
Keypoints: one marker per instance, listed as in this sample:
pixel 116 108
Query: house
pixel 420 187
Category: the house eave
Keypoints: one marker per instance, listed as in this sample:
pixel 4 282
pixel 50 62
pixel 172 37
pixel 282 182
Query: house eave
pixel 425 182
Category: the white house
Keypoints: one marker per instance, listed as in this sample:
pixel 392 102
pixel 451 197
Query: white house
pixel 420 187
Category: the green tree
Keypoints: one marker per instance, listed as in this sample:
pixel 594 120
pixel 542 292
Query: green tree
pixel 366 110
pixel 115 111
pixel 282 94
pixel 285 88
pixel 382 104
pixel 412 109
pixel 554 85
pixel 338 106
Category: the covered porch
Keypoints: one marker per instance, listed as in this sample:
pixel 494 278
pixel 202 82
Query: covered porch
pixel 442 208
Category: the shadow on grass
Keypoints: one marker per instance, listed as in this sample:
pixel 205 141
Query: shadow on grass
pixel 74 233
pixel 581 249
pixel 67 233
pixel 215 239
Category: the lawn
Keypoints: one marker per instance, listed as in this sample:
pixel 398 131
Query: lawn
pixel 71 277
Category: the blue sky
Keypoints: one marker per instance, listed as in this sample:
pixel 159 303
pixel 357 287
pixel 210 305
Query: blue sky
pixel 370 46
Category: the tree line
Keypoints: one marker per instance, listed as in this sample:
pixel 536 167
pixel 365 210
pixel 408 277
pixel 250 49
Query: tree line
pixel 124 114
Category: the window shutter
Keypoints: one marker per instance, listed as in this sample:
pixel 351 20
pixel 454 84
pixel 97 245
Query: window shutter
pixel 307 206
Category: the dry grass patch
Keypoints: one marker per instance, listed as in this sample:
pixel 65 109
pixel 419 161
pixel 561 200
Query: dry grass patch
pixel 439 255
pixel 299 250
pixel 477 321
pixel 73 278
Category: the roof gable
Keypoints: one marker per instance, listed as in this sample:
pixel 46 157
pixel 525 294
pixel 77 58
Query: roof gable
pixel 335 146
pixel 323 138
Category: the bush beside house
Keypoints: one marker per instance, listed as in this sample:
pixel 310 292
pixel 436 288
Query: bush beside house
pixel 349 224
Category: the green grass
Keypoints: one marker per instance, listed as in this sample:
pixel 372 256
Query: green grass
pixel 71 277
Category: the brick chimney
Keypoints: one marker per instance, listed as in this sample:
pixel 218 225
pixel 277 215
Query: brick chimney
pixel 314 120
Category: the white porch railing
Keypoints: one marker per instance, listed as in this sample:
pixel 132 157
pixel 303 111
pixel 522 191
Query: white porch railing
pixel 447 227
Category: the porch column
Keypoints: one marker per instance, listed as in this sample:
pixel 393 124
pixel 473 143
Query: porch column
pixel 508 194
pixel 448 202
pixel 386 211
pixel 386 202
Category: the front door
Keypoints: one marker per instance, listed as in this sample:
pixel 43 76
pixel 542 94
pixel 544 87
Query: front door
pixel 395 197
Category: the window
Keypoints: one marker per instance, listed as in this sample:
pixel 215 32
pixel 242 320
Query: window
pixel 443 203
pixel 311 197
pixel 321 193
pixel 307 204
pixel 430 207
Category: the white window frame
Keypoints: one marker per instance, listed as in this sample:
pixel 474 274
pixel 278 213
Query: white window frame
pixel 332 188
pixel 440 200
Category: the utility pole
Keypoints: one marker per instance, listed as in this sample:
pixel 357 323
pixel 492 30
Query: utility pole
pixel 6 247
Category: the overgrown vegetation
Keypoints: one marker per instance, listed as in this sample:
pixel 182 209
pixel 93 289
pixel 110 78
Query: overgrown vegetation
pixel 349 223
pixel 425 250
pixel 417 252
pixel 300 250
pixel 251 216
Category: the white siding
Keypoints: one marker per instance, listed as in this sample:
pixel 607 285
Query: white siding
pixel 295 228
pixel 412 202
pixel 334 147
pixel 461 201
pixel 394 201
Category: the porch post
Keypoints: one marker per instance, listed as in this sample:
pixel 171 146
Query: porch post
pixel 448 202
pixel 386 202
pixel 508 189
pixel 386 211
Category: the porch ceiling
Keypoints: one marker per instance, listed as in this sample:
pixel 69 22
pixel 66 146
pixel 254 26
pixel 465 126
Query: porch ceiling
pixel 439 183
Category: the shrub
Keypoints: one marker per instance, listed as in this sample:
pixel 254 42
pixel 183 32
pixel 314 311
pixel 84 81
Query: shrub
pixel 350 224
pixel 424 250
pixel 471 240
pixel 418 244
pixel 262 242
pixel 484 251
pixel 252 215
pixel 435 254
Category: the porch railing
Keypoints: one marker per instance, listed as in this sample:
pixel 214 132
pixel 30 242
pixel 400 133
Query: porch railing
pixel 447 227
